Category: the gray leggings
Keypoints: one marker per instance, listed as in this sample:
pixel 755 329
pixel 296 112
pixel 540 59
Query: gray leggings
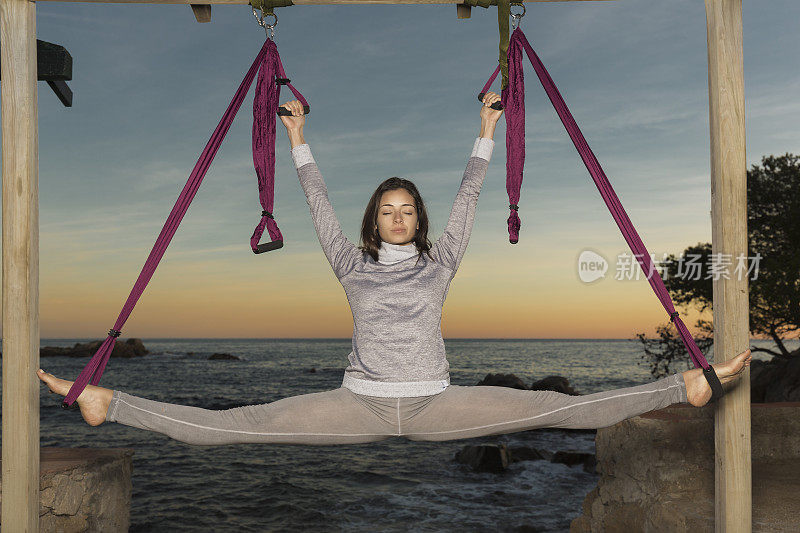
pixel 341 416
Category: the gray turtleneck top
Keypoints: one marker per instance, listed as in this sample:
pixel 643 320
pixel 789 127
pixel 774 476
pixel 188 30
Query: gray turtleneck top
pixel 397 301
pixel 389 254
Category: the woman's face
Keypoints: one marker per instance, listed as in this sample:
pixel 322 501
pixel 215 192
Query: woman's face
pixel 397 217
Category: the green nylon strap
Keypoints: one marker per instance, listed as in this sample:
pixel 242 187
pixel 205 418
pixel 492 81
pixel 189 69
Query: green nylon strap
pixel 503 13
pixel 267 5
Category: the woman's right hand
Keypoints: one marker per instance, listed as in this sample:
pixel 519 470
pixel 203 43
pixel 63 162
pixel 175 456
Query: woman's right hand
pixel 298 118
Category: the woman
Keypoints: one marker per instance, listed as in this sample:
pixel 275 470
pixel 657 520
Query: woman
pixel 397 382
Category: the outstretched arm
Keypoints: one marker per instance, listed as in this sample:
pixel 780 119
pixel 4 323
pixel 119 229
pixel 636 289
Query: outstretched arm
pixel 450 247
pixel 341 253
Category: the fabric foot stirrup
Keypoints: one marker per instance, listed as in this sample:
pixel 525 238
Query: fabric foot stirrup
pixel 717 391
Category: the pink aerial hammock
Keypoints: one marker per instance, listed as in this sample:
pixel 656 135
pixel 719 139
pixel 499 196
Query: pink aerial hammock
pixel 513 101
pixel 265 106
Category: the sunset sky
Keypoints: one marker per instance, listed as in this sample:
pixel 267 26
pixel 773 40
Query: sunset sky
pixel 393 92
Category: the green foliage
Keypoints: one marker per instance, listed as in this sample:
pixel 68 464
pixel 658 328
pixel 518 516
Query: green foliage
pixel 666 353
pixel 773 230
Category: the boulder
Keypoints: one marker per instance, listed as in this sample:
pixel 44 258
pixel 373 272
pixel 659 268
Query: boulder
pixel 554 383
pixel 492 458
pixel 223 356
pixel 587 460
pixel 528 453
pixel 777 380
pixel 129 348
pixel 503 380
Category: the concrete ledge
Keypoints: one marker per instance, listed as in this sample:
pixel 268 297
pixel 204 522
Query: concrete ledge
pixel 657 471
pixel 84 489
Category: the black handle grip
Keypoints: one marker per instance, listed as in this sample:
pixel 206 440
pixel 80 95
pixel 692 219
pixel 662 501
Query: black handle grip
pixel 496 106
pixel 268 247
pixel 282 111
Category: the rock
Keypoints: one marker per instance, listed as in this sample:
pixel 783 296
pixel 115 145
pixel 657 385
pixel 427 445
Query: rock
pixel 503 380
pixel 527 528
pixel 762 373
pixel 485 458
pixel 68 496
pixel 528 453
pixel 554 383
pixel 130 348
pixel 656 471
pixel 777 380
pixel 46 496
pixel 223 356
pixel 590 464
pixel 587 460
pixel 84 489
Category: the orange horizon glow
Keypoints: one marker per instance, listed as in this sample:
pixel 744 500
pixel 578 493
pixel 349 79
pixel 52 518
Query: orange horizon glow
pixel 303 299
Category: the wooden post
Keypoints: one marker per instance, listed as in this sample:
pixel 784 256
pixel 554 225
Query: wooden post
pixel 20 454
pixel 733 477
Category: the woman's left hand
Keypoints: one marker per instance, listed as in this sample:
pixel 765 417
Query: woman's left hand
pixel 487 113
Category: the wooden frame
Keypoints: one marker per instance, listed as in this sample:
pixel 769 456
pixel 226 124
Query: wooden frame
pixel 20 446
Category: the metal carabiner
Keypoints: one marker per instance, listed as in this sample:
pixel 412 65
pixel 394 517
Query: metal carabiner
pixel 269 29
pixel 517 17
pixel 260 20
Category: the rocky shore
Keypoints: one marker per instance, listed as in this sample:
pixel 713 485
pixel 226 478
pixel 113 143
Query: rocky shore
pixel 496 458
pixel 772 381
pixel 657 471
pixel 132 347
pixel 128 348
pixel 553 383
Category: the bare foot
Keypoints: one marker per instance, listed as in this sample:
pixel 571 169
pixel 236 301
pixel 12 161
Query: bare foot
pixel 698 391
pixel 93 401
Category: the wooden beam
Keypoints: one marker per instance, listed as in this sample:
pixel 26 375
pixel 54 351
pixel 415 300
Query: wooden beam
pixel 733 476
pixel 297 2
pixel 20 446
pixel 202 12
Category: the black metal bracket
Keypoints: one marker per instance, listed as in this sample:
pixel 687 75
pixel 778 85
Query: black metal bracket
pixel 54 65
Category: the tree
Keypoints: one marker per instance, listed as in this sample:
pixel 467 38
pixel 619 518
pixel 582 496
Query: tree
pixel 773 269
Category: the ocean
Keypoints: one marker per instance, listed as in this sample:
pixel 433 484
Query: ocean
pixel 392 485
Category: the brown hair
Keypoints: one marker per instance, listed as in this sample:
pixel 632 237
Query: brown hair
pixel 371 240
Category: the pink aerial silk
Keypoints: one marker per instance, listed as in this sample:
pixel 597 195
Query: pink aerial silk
pixel 265 107
pixel 513 100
